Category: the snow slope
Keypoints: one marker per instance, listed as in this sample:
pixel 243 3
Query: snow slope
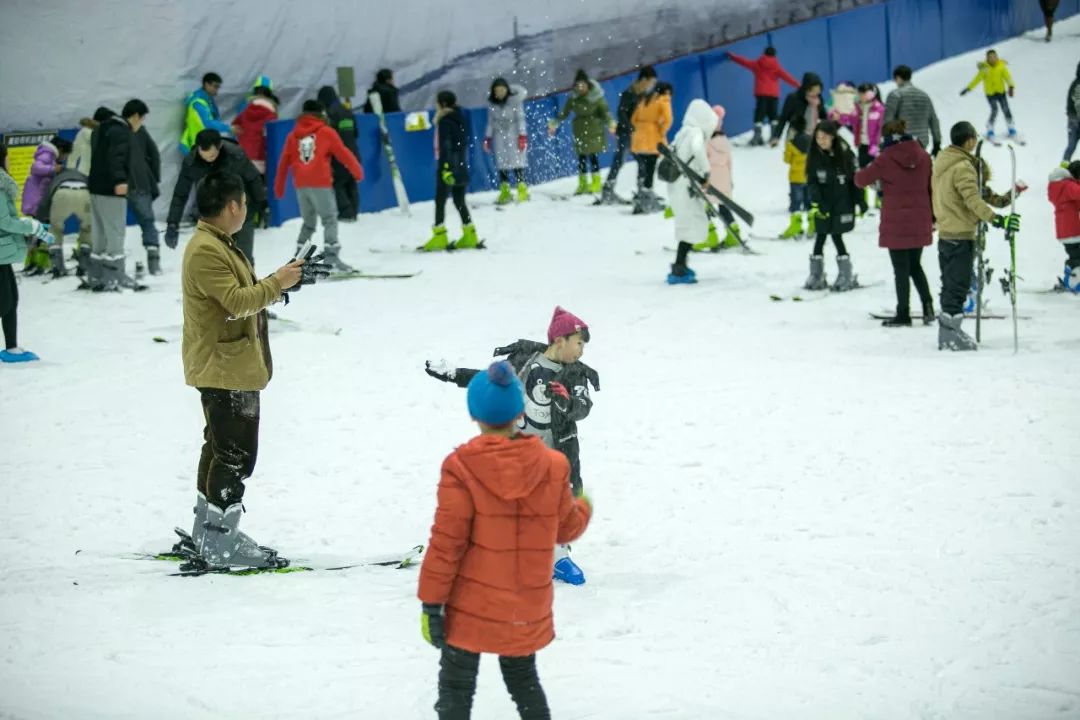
pixel 799 513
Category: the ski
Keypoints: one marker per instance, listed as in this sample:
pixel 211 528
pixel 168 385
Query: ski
pixel 744 249
pixel 744 214
pixel 1010 282
pixel 980 245
pixel 821 294
pixel 360 275
pixel 395 172
pixel 397 561
pixel 889 316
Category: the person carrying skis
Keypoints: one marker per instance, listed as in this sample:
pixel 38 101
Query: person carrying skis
pixel 591 120
pixel 691 219
pixel 830 180
pixel 795 151
pixel 451 176
pixel 507 137
pixel 624 129
pixel 652 120
pixel 309 148
pixel 865 120
pixel 346 190
pixel 1063 191
pixel 768 72
pixel 907 218
pixel 485 586
pixel 999 87
pixel 806 102
pixel 557 397
pixel 914 106
pixel 959 207
pixel 718 150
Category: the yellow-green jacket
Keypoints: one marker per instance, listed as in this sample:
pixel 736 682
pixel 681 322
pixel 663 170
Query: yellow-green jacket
pixel 995 78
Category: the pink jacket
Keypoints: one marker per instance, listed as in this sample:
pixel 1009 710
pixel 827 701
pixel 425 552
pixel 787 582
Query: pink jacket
pixel 875 120
pixel 718 150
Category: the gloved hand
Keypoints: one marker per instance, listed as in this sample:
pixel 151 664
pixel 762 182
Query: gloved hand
pixel 936 150
pixel 557 389
pixel 446 175
pixel 440 371
pixel 41 232
pixel 818 212
pixel 433 624
pixel 487 145
pixel 172 235
pixel 523 143
pixel 1012 91
pixel 314 269
pixel 964 92
pixel 1020 187
pixel 1008 223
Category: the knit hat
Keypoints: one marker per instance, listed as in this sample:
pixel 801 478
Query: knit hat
pixel 720 113
pixel 313 107
pixel 496 396
pixel 565 323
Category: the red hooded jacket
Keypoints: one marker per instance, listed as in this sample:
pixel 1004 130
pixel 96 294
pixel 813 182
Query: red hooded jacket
pixel 308 150
pixel 907 215
pixel 767 74
pixel 503 506
pixel 1064 192
pixel 252 123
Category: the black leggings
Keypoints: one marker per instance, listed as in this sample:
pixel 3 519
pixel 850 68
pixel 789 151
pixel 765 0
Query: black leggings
pixel 9 303
pixel 646 168
pixel 519 175
pixel 592 160
pixel 837 239
pixel 622 146
pixel 457 685
pixel 1072 251
pixel 442 190
pixel 907 269
pixel 765 108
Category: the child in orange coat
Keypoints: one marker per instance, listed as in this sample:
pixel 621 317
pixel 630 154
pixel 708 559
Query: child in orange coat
pixel 504 502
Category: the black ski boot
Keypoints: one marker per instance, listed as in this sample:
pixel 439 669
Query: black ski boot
pixel 153 260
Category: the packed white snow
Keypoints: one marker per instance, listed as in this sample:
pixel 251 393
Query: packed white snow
pixel 799 513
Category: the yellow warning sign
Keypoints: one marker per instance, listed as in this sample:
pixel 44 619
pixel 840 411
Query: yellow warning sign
pixel 21 147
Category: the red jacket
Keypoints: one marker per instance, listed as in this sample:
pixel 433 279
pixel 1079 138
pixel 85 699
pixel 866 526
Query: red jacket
pixel 252 124
pixel 308 150
pixel 503 506
pixel 1064 192
pixel 907 216
pixel 767 74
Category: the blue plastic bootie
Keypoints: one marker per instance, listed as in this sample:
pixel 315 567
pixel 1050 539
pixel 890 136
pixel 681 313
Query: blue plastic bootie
pixel 17 355
pixel 681 275
pixel 568 571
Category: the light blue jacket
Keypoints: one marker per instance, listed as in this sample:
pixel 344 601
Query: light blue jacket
pixel 13 229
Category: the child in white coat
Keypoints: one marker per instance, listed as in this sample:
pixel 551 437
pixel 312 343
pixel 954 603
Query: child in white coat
pixel 691 221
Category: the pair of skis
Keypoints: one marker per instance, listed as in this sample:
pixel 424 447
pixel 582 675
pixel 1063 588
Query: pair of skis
pixel 1009 282
pixel 395 172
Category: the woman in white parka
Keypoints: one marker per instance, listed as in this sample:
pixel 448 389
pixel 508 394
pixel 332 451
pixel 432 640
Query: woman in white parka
pixel 507 137
pixel 691 222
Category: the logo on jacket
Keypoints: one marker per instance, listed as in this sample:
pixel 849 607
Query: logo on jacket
pixel 307 149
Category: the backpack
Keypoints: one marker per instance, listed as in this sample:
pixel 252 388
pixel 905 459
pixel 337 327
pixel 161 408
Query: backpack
pixel 667 170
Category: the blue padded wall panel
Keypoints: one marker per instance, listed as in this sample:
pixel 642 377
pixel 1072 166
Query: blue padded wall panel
pixel 856 40
pixel 732 86
pixel 915 37
pixel 688 80
pixel 804 48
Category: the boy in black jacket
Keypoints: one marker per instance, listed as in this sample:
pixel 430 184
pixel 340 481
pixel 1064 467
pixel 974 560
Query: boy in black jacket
pixel 108 183
pixel 341 119
pixel 451 176
pixel 556 398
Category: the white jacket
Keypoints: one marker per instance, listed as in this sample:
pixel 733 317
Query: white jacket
pixel 699 123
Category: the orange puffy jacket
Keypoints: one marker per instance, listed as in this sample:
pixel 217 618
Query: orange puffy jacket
pixel 652 120
pixel 503 506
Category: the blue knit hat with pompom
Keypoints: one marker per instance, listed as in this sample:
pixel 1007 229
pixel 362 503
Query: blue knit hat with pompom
pixel 496 395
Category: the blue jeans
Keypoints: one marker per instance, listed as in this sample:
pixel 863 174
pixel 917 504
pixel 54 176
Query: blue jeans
pixel 1000 100
pixel 800 198
pixel 142 207
pixel 1074 137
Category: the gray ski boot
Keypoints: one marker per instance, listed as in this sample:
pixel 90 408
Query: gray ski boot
pixel 845 278
pixel 116 266
pixel 332 258
pixel 153 260
pixel 816 279
pixel 98 274
pixel 56 259
pixel 188 545
pixel 224 546
pixel 950 336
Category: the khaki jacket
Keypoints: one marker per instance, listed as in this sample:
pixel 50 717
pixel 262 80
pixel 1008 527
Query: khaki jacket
pixel 225 338
pixel 958 204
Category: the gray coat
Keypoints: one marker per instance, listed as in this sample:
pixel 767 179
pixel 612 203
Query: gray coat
pixel 911 104
pixel 505 123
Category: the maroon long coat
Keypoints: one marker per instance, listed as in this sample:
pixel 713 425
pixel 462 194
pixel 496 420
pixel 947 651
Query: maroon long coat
pixel 907 216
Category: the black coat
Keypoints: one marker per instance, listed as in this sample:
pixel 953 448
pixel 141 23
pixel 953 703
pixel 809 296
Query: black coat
pixel 563 423
pixel 144 165
pixel 628 102
pixel 389 95
pixel 1071 109
pixel 454 145
pixel 341 119
pixel 795 104
pixel 110 148
pixel 230 159
pixel 830 180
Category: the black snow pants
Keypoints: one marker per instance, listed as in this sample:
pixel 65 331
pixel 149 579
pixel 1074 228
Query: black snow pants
pixel 457 685
pixel 231 444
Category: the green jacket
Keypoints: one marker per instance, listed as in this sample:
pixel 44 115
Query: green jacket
pixel 225 342
pixel 592 119
pixel 13 228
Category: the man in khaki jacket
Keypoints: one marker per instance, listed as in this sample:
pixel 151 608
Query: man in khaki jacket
pixel 959 207
pixel 227 358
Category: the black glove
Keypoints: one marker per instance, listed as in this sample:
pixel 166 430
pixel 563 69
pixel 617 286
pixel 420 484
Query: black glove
pixel 172 235
pixel 440 371
pixel 964 92
pixel 937 149
pixel 1009 223
pixel 313 269
pixel 433 624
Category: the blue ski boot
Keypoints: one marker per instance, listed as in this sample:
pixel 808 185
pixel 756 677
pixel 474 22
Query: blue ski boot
pixel 568 571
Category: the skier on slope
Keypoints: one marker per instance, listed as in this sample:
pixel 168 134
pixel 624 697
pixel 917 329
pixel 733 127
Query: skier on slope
pixel 767 76
pixel 999 87
pixel 1063 191
pixel 796 149
pixel 806 102
pixel 309 149
pixel 718 150
pixel 451 176
pixel 624 129
pixel 485 585
pixel 556 398
pixel 507 137
pixel 691 219
pixel 830 179
pixel 959 207
pixel 591 120
pixel 652 120
pixel 865 120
